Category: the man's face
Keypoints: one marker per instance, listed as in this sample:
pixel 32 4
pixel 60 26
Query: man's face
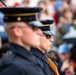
pixel 64 56
pixel 45 42
pixel 69 14
pixel 31 35
pixel 42 5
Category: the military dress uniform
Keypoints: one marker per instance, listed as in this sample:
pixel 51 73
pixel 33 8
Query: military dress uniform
pixel 19 61
pixel 42 61
pixel 39 55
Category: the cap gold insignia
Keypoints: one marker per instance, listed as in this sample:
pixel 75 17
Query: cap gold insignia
pixel 46 24
pixel 19 19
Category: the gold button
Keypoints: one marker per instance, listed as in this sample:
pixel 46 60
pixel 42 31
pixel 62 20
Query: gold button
pixel 19 19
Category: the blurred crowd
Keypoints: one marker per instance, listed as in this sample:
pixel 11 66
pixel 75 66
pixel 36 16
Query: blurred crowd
pixel 64 14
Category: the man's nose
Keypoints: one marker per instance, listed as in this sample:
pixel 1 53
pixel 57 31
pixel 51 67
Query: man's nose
pixel 51 39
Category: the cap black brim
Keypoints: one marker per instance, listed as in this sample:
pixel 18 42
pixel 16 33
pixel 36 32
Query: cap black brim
pixel 48 33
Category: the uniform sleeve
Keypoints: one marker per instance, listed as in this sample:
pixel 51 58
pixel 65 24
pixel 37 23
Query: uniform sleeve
pixel 10 70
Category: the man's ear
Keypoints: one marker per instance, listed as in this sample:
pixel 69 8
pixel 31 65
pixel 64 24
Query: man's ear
pixel 17 31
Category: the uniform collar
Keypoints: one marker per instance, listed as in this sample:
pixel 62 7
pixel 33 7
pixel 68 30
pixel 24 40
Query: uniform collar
pixel 22 52
pixel 39 54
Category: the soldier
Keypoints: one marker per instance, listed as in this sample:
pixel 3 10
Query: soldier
pixel 45 44
pixel 23 31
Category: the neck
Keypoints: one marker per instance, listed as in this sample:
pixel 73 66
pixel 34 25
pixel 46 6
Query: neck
pixel 27 47
pixel 41 49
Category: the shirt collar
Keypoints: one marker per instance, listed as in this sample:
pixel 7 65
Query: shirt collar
pixel 40 54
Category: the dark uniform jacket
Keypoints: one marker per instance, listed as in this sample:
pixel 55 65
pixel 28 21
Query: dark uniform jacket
pixel 18 61
pixel 42 61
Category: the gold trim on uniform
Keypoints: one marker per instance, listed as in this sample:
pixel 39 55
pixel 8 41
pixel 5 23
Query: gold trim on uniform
pixel 46 24
pixel 24 14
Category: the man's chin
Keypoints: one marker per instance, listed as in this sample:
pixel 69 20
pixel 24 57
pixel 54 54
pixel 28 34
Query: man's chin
pixel 37 44
pixel 48 48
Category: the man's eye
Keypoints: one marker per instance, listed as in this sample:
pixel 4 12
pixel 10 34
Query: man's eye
pixel 48 36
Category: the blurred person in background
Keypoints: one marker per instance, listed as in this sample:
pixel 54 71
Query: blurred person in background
pixel 59 6
pixel 65 25
pixel 3 50
pixel 54 52
pixel 73 56
pixel 65 4
pixel 26 3
pixel 51 7
pixel 65 66
pixel 51 10
pixel 44 13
